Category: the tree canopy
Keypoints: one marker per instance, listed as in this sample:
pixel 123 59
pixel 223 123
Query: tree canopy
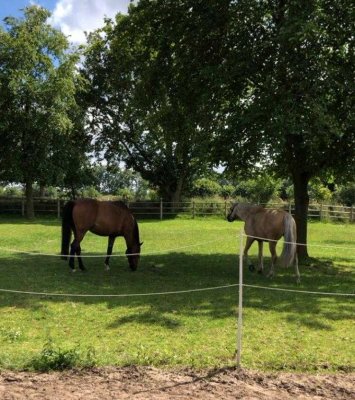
pixel 151 77
pixel 295 115
pixel 176 87
pixel 38 84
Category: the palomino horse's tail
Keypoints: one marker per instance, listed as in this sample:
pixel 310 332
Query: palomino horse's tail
pixel 67 226
pixel 289 250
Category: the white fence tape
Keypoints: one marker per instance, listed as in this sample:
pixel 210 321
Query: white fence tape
pixel 300 244
pixel 240 284
pixel 177 292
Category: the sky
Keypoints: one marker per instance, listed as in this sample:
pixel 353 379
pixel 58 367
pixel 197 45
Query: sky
pixel 72 17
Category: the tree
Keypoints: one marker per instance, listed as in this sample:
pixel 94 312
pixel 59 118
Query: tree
pixel 114 180
pixel 38 82
pixel 151 76
pixel 260 190
pixel 346 194
pixel 205 187
pixel 295 115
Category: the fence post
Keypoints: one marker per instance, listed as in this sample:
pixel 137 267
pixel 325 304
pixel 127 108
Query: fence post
pixel 193 209
pixel 321 212
pixel 240 303
pixel 161 209
pixel 225 208
pixel 23 207
pixel 290 208
pixel 351 213
pixel 58 208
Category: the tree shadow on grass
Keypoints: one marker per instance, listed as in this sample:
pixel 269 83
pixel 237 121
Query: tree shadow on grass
pixel 177 272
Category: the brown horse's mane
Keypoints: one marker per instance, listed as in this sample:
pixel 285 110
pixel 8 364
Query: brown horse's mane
pixel 120 204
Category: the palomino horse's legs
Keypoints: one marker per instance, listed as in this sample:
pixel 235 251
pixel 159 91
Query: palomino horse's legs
pixel 261 262
pixel 248 243
pixel 298 276
pixel 111 241
pixel 272 247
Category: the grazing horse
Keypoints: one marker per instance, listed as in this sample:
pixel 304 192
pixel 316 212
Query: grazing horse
pixel 263 224
pixel 104 218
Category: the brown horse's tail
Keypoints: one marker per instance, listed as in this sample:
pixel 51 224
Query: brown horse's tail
pixel 290 236
pixel 67 226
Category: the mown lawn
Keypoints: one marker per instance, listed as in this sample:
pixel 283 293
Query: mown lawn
pixel 282 330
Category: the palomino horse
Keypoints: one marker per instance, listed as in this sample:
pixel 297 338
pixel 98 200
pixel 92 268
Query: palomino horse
pixel 268 225
pixel 104 218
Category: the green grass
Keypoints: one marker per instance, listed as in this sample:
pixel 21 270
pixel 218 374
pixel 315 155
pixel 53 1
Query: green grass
pixel 281 331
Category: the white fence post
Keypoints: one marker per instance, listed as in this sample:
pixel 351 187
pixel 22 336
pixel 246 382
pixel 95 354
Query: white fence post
pixel 240 303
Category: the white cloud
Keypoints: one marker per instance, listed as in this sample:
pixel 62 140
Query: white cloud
pixel 74 17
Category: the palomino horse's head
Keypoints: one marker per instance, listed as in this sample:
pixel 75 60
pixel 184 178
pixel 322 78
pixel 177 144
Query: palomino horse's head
pixel 233 212
pixel 133 255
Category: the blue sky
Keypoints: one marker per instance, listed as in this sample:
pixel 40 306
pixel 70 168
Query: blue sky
pixel 73 17
pixel 12 7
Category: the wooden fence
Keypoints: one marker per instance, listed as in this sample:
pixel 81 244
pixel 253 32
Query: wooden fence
pixel 162 210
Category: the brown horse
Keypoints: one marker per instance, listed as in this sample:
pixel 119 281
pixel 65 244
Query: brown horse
pixel 104 218
pixel 263 224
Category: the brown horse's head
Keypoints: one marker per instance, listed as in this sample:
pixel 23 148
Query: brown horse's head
pixel 233 212
pixel 133 255
pixel 134 248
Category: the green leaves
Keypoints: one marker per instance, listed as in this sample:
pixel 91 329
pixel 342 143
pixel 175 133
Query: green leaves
pixel 38 103
pixel 151 77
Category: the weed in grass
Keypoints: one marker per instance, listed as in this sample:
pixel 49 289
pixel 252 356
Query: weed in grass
pixel 56 359
pixel 11 335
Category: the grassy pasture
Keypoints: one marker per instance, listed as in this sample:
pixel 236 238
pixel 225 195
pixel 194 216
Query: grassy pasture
pixel 282 331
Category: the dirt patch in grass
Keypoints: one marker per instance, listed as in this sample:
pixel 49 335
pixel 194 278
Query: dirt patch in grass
pixel 153 383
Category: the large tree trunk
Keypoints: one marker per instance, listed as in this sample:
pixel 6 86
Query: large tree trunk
pixel 30 212
pixel 300 184
pixel 176 196
pixel 42 189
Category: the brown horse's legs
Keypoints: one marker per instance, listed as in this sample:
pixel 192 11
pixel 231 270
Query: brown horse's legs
pixel 72 256
pixel 248 243
pixel 111 241
pixel 78 253
pixel 272 247
pixel 76 249
pixel 261 263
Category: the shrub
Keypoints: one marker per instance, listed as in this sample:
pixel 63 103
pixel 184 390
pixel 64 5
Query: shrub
pixel 346 194
pixel 56 359
pixel 205 187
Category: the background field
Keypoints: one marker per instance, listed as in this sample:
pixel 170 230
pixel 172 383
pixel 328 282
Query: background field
pixel 287 331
